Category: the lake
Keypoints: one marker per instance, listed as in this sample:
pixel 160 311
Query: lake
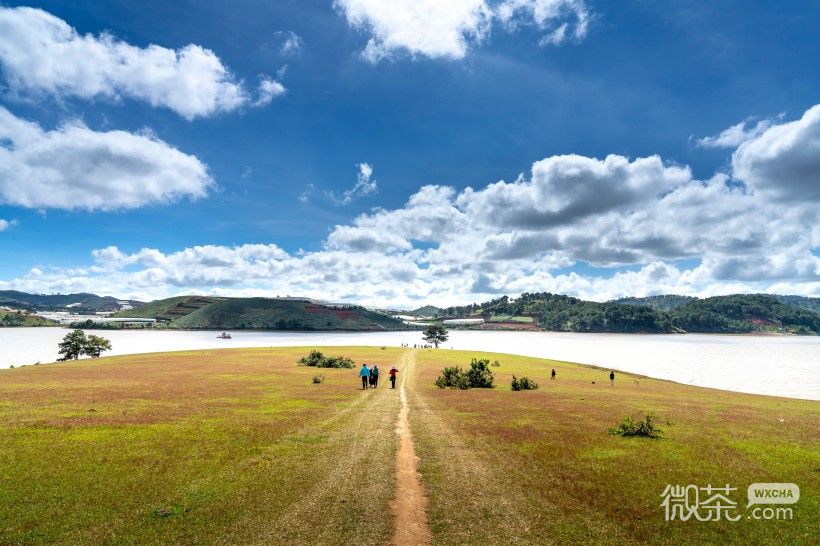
pixel 760 364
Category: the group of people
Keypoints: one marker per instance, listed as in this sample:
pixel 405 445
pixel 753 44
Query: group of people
pixel 370 376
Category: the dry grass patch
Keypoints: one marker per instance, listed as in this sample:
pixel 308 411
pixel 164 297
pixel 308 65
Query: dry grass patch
pixel 540 467
pixel 214 447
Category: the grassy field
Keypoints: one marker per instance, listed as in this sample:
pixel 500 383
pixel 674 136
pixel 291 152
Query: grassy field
pixel 240 447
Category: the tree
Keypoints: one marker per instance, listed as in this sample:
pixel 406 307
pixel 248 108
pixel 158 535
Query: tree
pixel 95 345
pixel 72 345
pixel 76 344
pixel 435 334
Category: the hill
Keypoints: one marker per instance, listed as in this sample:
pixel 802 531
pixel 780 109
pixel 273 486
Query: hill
pixel 740 313
pixel 82 302
pixel 809 304
pixel 426 311
pixel 206 313
pixel 22 319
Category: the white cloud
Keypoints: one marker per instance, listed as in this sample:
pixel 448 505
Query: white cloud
pixel 268 90
pixel 735 135
pixel 73 167
pixel 784 160
pixel 5 224
pixel 648 225
pixel 292 43
pixel 448 29
pixel 563 19
pixel 42 53
pixel 364 186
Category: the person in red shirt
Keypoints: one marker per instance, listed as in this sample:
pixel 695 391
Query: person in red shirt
pixel 393 372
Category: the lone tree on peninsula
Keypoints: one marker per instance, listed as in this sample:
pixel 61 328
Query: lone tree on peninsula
pixel 435 334
pixel 76 343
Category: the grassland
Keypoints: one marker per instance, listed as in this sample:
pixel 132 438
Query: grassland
pixel 240 447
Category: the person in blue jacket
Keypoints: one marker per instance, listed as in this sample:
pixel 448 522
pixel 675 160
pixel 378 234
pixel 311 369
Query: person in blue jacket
pixel 364 373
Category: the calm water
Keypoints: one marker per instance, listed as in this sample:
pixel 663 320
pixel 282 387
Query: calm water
pixel 776 365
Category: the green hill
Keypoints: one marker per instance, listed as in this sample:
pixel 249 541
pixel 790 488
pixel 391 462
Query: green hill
pixel 722 314
pixel 744 313
pixel 426 311
pixel 82 302
pixel 207 313
pixel 16 318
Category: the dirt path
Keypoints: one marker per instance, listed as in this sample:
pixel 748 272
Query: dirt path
pixel 410 504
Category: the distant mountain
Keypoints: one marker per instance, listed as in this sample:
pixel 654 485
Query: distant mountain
pixel 78 302
pixel 810 304
pixel 207 313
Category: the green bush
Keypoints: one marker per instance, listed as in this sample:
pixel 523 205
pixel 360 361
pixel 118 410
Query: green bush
pixel 478 376
pixel 318 379
pixel 523 384
pixel 453 378
pixel 645 429
pixel 318 360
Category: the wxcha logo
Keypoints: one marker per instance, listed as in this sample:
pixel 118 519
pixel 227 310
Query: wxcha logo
pixel 713 503
pixel 772 493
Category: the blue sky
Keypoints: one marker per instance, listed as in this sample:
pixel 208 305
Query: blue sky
pixel 409 152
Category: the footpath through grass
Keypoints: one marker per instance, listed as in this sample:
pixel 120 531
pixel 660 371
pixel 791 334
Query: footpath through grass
pixel 216 447
pixel 240 447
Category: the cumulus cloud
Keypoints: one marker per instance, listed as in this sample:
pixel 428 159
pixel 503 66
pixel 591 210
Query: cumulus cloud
pixel 784 160
pixel 735 135
pixel 40 53
pixel 448 29
pixel 567 189
pixel 268 90
pixel 74 167
pixel 364 186
pixel 639 226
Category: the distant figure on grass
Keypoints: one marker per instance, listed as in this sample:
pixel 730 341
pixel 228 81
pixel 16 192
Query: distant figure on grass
pixel 393 372
pixel 364 373
pixel 553 374
pixel 374 375
pixel 611 379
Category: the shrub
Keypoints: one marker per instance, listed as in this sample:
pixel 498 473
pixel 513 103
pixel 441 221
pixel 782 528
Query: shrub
pixel 453 378
pixel 523 384
pixel 478 376
pixel 313 359
pixel 318 379
pixel 318 360
pixel 645 429
pixel 337 362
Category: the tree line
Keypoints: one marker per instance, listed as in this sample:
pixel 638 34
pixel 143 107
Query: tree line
pixel 721 314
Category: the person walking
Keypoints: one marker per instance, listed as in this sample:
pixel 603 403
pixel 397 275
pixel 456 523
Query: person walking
pixel 393 372
pixel 553 374
pixel 611 379
pixel 374 373
pixel 364 373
